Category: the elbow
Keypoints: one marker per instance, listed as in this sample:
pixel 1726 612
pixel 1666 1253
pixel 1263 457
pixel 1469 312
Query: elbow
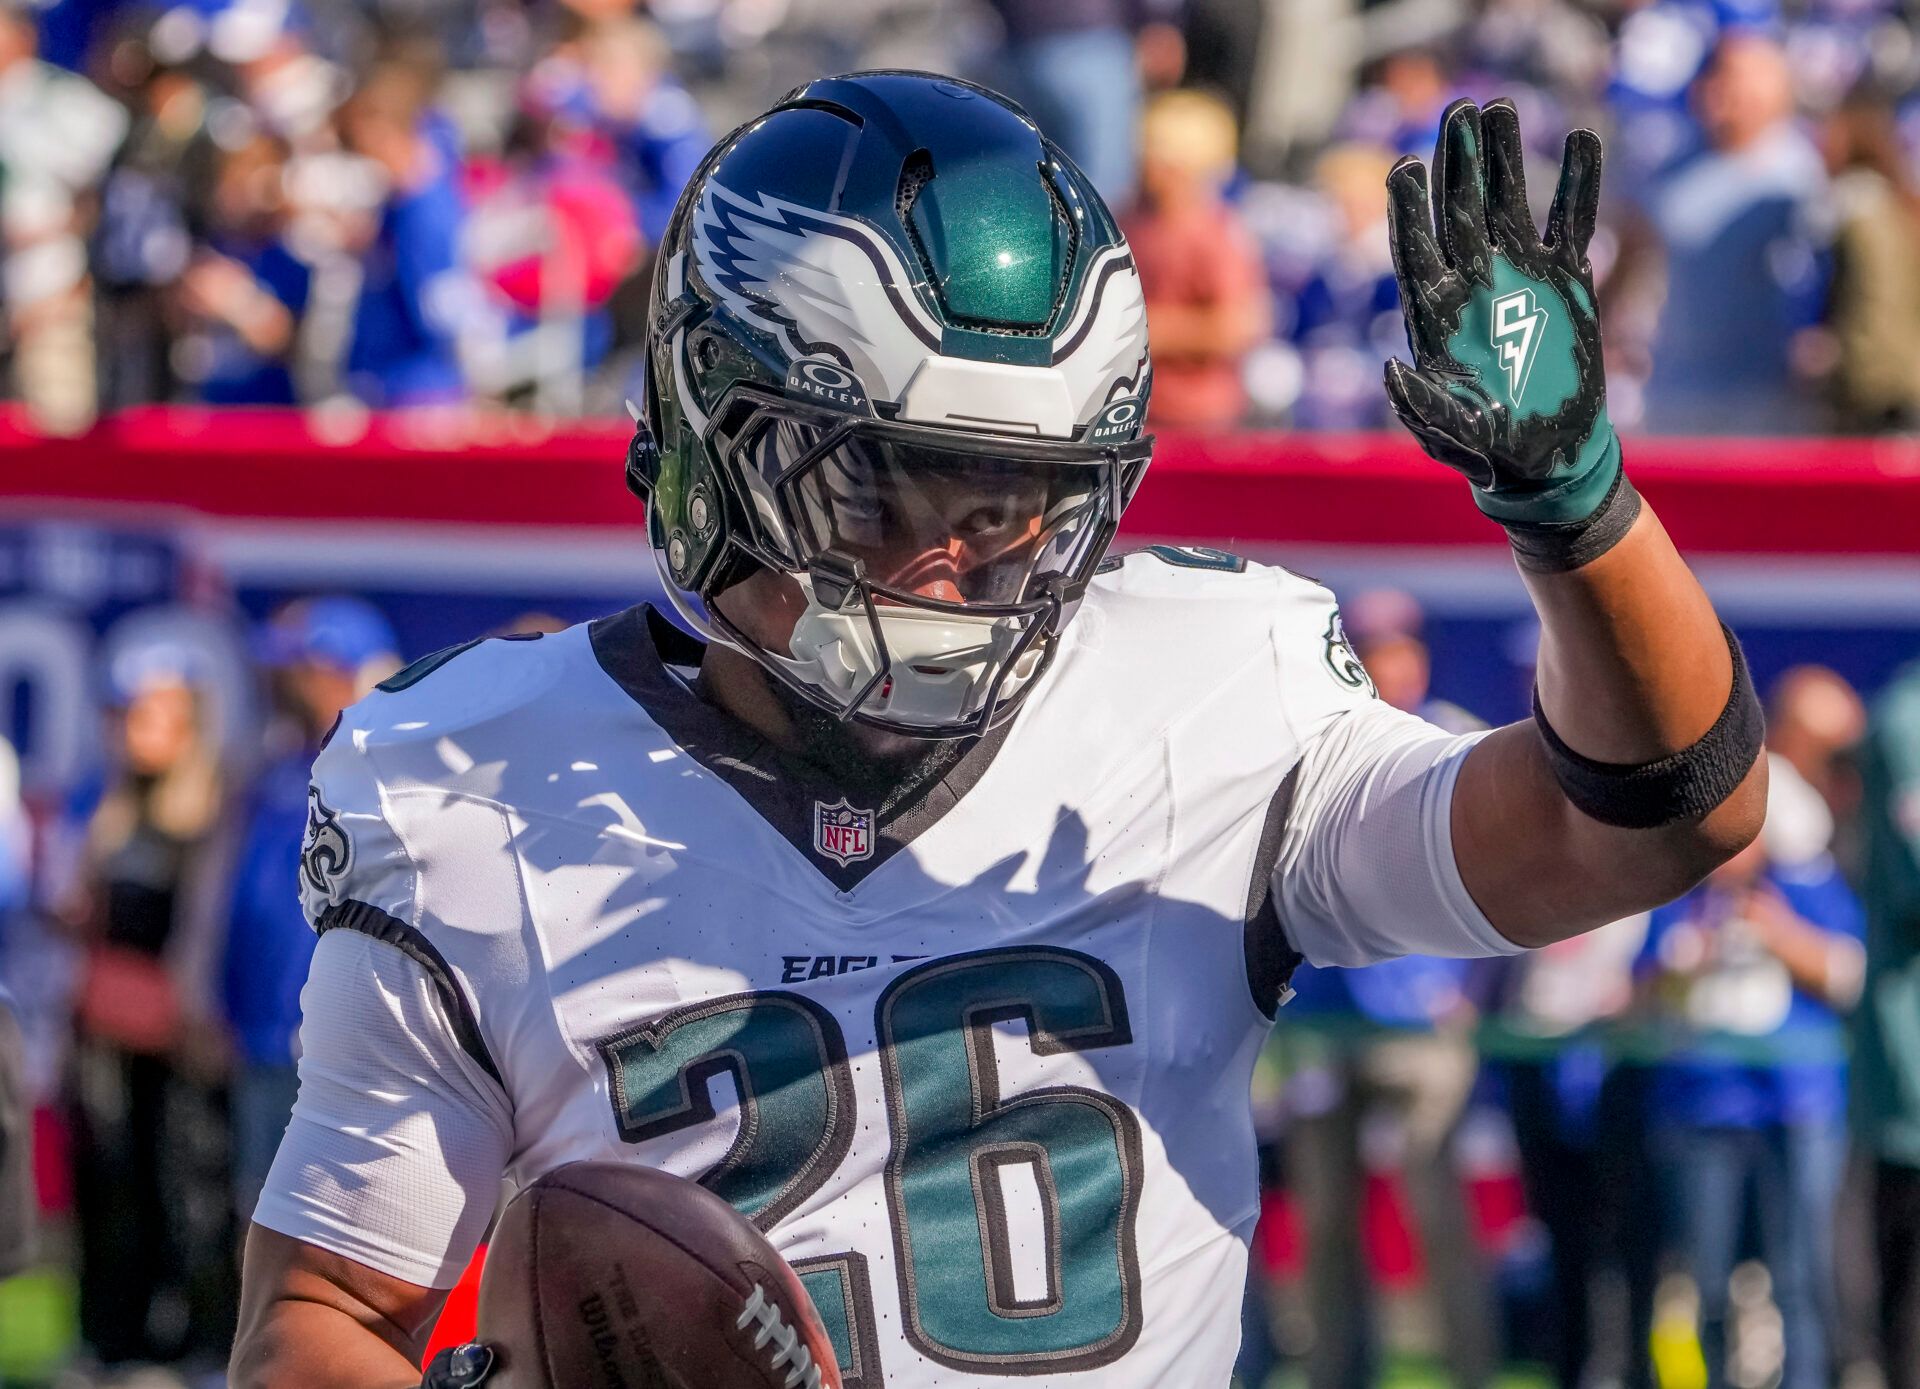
pixel 1729 828
pixel 1676 858
pixel 1609 872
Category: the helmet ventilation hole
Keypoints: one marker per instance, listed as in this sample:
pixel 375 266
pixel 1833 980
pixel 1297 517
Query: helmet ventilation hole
pixel 915 174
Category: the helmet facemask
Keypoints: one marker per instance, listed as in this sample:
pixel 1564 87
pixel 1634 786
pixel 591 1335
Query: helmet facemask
pixel 933 568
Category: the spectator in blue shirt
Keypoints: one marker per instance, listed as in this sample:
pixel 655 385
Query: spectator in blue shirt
pixel 416 297
pixel 1744 270
pixel 1752 972
pixel 1075 66
pixel 658 134
pixel 324 653
pixel 245 290
pixel 1346 314
pixel 1399 104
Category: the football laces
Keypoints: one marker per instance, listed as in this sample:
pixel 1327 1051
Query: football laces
pixel 790 1352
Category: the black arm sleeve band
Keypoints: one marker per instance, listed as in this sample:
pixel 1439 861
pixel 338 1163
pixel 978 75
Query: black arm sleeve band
pixel 1554 549
pixel 1683 786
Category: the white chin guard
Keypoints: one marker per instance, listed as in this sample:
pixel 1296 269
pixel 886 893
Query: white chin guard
pixel 941 668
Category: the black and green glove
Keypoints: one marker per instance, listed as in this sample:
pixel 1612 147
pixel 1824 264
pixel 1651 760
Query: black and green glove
pixel 1507 385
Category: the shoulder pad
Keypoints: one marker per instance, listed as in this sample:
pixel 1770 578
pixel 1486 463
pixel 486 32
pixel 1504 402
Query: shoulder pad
pixel 1201 571
pixel 460 687
pixel 414 672
pixel 1180 557
pixel 1243 602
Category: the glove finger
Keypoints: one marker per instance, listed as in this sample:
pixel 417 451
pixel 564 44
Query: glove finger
pixel 1576 202
pixel 1463 204
pixel 1509 219
pixel 1450 429
pixel 1422 274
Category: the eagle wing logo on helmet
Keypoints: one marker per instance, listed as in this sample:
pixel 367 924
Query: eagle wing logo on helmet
pixel 1103 347
pixel 818 281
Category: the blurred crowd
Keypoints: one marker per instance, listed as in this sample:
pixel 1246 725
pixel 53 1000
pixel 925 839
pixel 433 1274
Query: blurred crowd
pixel 154 951
pixel 152 957
pixel 402 203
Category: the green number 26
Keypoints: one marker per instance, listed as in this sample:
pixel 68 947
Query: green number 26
pixel 953 1137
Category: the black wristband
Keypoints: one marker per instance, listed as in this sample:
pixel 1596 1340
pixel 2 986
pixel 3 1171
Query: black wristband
pixel 1553 548
pixel 1683 786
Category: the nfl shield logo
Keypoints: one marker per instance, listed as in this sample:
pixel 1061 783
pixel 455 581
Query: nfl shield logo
pixel 842 833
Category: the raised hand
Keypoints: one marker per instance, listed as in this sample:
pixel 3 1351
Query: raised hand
pixel 1507 384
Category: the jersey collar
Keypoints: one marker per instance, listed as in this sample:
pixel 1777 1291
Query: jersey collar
pixel 846 835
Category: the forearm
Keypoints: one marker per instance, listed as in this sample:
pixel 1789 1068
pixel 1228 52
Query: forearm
pixel 1633 665
pixel 1641 771
pixel 1809 958
pixel 1827 965
pixel 265 324
pixel 310 1319
pixel 314 1345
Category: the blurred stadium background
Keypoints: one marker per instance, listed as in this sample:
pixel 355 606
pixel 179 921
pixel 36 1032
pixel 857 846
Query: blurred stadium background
pixel 316 317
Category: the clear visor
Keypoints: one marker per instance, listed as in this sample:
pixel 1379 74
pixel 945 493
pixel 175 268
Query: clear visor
pixel 952 523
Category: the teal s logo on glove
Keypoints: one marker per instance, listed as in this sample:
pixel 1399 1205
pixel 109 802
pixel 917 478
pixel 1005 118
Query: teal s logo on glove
pixel 1521 331
pixel 1516 338
pixel 1507 385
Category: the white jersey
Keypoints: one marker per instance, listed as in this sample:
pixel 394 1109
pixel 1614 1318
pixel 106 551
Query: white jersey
pixel 978 1063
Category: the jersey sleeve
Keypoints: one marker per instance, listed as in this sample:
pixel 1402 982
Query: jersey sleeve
pixel 402 1130
pixel 1366 870
pixel 399 1140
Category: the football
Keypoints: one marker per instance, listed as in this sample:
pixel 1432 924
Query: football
pixel 613 1274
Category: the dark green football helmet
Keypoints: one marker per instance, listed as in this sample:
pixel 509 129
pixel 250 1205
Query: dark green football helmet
pixel 896 379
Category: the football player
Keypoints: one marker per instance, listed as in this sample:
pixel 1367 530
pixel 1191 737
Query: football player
pixel 932 902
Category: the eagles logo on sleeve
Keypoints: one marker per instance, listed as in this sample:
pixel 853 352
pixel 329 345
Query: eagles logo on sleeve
pixel 1343 660
pixel 326 853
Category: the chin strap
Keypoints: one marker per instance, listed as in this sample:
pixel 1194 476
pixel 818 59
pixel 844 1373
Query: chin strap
pixel 918 669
